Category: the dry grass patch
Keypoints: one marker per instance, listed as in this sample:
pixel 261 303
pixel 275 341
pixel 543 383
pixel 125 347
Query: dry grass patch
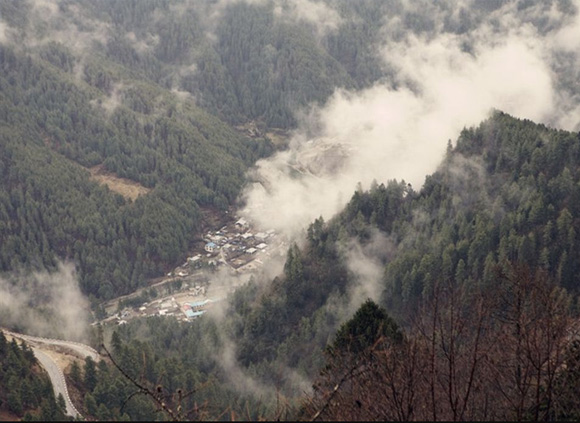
pixel 127 188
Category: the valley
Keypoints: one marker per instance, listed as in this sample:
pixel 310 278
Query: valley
pixel 301 210
pixel 222 260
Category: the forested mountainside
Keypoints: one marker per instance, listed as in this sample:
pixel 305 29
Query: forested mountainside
pixel 125 125
pixel 25 389
pixel 498 197
pixel 147 91
pixel 246 65
pixel 52 133
pixel 491 229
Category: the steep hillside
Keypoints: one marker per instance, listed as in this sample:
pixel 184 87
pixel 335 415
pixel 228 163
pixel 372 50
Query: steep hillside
pixel 139 93
pixel 127 126
pixel 53 131
pixel 25 389
pixel 508 191
pixel 486 218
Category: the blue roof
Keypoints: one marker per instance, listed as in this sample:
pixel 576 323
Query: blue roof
pixel 191 313
pixel 199 303
pixel 211 244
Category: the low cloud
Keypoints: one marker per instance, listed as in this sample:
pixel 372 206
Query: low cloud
pixel 441 82
pixel 366 264
pixel 45 304
pixel 110 103
pixel 142 45
pixel 323 18
pixel 57 21
pixel 3 33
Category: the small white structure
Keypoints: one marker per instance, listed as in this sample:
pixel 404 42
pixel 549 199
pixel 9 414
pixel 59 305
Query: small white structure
pixel 260 236
pixel 261 246
pixel 251 250
pixel 242 223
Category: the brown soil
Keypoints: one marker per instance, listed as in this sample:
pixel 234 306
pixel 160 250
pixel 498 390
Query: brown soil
pixel 7 416
pixel 75 395
pixel 61 359
pixel 127 188
pixel 279 138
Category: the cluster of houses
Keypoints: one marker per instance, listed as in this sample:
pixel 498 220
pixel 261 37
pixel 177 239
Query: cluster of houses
pixel 195 309
pixel 182 310
pixel 236 245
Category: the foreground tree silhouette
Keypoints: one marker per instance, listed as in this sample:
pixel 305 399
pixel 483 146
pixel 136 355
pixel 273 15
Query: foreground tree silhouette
pixel 500 352
pixel 171 404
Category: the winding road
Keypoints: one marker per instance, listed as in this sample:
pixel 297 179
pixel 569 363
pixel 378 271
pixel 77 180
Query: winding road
pixel 54 372
pixel 81 349
pixel 57 379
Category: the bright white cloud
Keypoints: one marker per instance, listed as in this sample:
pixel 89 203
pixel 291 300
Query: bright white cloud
pixel 45 304
pixel 445 82
pixel 324 18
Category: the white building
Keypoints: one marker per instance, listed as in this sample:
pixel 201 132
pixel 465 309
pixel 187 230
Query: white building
pixel 242 223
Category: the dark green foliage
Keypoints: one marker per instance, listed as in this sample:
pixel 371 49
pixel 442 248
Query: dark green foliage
pixel 75 373
pixel 49 208
pixel 90 374
pixel 369 324
pixel 507 191
pixel 25 389
pixel 468 220
pixel 258 66
pixel 290 304
pixel 263 69
pixel 110 106
pixel 449 232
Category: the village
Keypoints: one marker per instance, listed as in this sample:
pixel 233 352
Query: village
pixel 186 292
pixel 234 246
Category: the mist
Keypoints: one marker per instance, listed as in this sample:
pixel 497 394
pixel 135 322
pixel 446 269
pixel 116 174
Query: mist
pixel 439 77
pixel 440 82
pixel 365 263
pixel 45 304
